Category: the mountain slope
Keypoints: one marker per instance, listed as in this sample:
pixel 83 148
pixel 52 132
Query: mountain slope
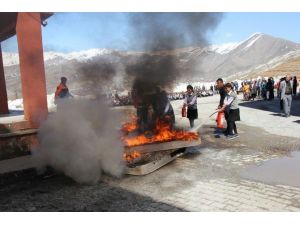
pixel 257 50
pixel 256 55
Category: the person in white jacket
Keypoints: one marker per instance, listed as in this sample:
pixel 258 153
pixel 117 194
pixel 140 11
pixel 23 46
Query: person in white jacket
pixel 286 89
pixel 190 101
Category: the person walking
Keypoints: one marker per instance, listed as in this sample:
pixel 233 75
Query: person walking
pixel 190 101
pixel 286 88
pixel 258 87
pixel 264 89
pixel 253 90
pixel 279 93
pixel 270 89
pixel 246 90
pixel 295 84
pixel 232 112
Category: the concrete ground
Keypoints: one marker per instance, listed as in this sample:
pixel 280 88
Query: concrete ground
pixel 207 178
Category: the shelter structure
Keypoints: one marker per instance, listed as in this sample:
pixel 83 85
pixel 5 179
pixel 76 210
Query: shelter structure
pixel 27 26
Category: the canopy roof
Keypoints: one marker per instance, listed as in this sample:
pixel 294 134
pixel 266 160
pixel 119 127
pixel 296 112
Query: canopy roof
pixel 8 22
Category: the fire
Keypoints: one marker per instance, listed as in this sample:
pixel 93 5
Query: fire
pixel 161 133
pixel 128 157
pixel 130 126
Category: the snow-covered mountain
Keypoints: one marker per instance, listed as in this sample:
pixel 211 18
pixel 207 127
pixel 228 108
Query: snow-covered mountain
pixel 252 44
pixel 257 53
pixel 223 48
pixel 258 50
pixel 10 59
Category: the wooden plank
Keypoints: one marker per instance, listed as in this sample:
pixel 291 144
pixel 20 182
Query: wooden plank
pixel 163 146
pixel 152 166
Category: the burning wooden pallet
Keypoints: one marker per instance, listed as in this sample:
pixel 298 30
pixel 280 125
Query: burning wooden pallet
pixel 151 157
pixel 148 151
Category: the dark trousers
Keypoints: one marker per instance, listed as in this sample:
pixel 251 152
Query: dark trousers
pixel 142 118
pixel 191 123
pixel 231 126
pixel 281 102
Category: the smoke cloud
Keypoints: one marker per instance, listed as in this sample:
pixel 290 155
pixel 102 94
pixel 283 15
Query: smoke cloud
pixel 159 34
pixel 81 140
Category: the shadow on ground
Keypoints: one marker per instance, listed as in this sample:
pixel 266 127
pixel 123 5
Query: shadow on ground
pixel 28 192
pixel 273 106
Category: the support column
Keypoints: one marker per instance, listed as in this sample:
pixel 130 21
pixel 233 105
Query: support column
pixel 3 93
pixel 32 68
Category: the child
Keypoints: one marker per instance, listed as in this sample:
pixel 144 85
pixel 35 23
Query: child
pixel 232 111
pixel 190 101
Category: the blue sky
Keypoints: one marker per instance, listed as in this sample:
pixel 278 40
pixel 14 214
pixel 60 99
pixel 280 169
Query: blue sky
pixel 68 32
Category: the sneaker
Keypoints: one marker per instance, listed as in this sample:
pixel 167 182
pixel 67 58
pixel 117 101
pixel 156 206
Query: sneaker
pixel 230 137
pixel 219 132
pixel 236 135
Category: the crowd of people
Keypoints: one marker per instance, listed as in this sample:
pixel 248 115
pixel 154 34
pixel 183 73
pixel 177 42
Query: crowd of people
pixel 123 100
pixel 263 89
pixel 260 88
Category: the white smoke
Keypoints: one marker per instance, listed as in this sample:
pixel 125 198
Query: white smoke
pixel 81 140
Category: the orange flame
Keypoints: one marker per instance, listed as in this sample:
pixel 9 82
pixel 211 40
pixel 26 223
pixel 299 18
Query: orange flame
pixel 131 156
pixel 161 133
pixel 130 126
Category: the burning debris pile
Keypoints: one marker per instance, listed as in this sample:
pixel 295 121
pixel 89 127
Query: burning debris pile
pixel 162 132
pixel 146 151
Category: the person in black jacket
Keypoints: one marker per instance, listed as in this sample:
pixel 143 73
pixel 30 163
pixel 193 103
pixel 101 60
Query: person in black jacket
pixel 162 108
pixel 279 90
pixel 270 88
pixel 220 86
pixel 295 84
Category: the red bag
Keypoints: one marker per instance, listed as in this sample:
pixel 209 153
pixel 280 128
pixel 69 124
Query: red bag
pixel 183 111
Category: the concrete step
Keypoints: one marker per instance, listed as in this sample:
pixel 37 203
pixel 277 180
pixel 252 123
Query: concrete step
pixel 16 164
pixel 19 133
pixel 18 143
pixel 12 123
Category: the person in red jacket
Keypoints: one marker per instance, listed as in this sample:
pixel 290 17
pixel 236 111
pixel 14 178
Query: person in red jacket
pixel 62 90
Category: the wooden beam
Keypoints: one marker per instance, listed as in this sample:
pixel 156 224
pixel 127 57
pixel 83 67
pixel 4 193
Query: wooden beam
pixel 3 92
pixel 162 146
pixel 152 166
pixel 32 70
